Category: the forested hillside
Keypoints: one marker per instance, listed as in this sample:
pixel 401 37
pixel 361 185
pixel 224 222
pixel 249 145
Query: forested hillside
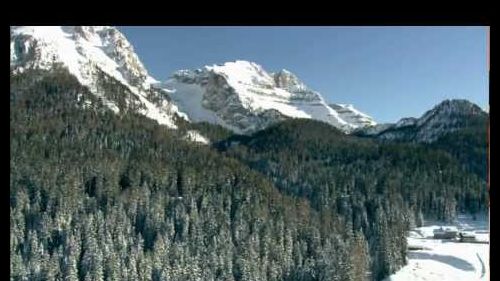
pixel 458 127
pixel 469 145
pixel 99 196
pixel 102 196
pixel 379 188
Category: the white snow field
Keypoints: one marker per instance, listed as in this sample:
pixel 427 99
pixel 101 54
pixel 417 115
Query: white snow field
pixel 447 260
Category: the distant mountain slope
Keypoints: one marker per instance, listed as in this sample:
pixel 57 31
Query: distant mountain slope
pixel 245 98
pixel 458 127
pixel 446 117
pixel 353 116
pixel 289 150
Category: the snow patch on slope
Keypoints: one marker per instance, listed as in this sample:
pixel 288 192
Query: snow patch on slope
pixel 353 116
pixel 195 136
pixel 189 98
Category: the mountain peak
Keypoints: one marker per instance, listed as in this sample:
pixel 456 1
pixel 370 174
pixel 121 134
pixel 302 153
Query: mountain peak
pixel 458 105
pixel 236 64
pixel 94 55
pixel 450 108
pixel 445 117
pixel 244 97
pixel 289 81
pixel 77 47
pixel 284 70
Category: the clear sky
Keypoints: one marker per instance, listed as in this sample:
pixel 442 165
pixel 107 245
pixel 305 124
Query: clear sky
pixel 386 72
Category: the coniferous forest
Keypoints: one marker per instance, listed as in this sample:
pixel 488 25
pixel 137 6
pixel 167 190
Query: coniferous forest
pixel 98 196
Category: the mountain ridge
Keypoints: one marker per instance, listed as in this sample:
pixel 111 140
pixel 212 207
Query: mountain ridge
pixel 243 96
pixel 446 117
pixel 240 95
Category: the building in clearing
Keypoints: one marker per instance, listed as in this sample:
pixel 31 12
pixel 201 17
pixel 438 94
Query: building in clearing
pixel 445 233
pixel 466 236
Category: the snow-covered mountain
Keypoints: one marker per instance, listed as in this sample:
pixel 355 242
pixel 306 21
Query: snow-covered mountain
pixel 238 95
pixel 446 117
pixel 244 97
pixel 353 116
pixel 95 55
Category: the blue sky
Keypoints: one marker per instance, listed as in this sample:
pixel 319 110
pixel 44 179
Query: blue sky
pixel 386 72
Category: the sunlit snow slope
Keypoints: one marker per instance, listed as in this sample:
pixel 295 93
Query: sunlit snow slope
pixel 242 96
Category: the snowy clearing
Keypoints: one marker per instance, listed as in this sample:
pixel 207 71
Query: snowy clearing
pixel 447 259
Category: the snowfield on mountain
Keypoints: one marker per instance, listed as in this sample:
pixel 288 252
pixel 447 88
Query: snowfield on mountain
pixel 244 97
